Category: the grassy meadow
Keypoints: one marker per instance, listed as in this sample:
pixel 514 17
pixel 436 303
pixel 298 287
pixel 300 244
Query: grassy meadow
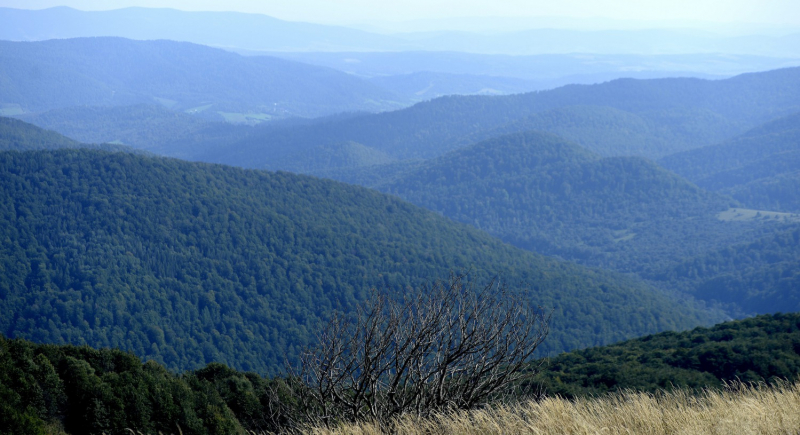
pixel 739 409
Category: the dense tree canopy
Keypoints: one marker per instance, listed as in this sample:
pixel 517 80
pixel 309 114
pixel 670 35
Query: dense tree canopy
pixel 542 193
pixel 762 348
pixel 51 389
pixel 193 263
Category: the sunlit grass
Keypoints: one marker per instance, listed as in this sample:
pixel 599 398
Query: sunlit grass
pixel 739 409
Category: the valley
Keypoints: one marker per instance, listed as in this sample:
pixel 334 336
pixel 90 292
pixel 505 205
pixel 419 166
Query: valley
pixel 187 214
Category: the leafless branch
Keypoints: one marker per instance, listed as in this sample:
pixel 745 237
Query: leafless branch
pixel 449 346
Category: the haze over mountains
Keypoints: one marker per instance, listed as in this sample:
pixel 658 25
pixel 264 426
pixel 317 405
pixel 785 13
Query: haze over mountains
pixel 260 32
pixel 213 192
pixel 185 77
pixel 663 116
pixel 544 56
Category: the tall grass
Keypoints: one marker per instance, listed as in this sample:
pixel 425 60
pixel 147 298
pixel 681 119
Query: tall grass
pixel 739 409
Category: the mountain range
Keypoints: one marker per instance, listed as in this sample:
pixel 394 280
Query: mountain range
pixel 761 167
pixel 260 32
pixel 190 263
pixel 54 74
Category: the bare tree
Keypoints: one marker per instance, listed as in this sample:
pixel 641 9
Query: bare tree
pixel 449 346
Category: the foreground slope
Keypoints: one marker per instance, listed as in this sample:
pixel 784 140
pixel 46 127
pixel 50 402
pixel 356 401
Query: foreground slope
pixel 192 263
pixel 542 193
pixel 762 348
pixel 86 390
pixel 52 74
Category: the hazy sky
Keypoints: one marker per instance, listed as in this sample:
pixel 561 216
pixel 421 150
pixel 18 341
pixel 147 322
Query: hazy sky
pixel 783 12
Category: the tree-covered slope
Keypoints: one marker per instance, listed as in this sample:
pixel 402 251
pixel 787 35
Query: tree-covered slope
pixel 17 135
pixel 774 137
pixel 61 73
pixel 780 192
pixel 21 136
pixel 695 111
pixel 750 350
pixel 150 127
pixel 324 158
pixel 614 132
pixel 191 263
pixel 47 388
pixel 760 168
pixel 758 277
pixel 542 193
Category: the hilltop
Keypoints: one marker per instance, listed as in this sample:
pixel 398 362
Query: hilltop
pixel 542 193
pixel 190 263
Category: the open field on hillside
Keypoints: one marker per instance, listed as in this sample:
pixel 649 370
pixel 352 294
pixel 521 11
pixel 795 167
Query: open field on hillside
pixel 244 118
pixel 743 214
pixel 738 410
pixel 10 109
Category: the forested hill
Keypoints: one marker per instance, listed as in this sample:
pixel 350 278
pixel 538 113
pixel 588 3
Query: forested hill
pixel 45 75
pixel 760 168
pixel 150 127
pixel 778 136
pixel 190 263
pixel 614 132
pixel 763 348
pixel 758 277
pixel 696 111
pixel 542 193
pixel 21 136
pixel 85 390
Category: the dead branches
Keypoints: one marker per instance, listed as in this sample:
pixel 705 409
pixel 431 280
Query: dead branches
pixel 447 347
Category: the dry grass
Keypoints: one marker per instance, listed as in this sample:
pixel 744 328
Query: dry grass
pixel 740 409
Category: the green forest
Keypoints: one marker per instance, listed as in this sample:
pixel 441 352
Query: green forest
pixel 544 194
pixel 759 349
pixel 189 263
pixel 760 168
pixel 68 389
pixel 179 223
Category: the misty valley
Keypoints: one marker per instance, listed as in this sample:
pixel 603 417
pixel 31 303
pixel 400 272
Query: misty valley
pixel 289 227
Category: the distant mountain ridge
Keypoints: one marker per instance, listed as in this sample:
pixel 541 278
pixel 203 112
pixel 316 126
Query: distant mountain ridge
pixel 221 29
pixel 261 32
pixel 695 112
pixel 40 76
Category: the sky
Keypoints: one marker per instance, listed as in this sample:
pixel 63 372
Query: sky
pixel 767 12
